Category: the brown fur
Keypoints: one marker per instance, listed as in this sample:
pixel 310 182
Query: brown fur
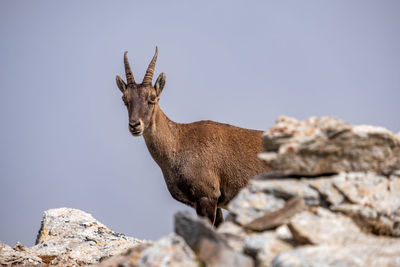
pixel 204 163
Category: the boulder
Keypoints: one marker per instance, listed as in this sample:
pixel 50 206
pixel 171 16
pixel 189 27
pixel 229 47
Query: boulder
pixel 170 250
pixel 321 145
pixel 217 255
pixel 356 255
pixel 69 237
pixel 263 247
pixel 193 229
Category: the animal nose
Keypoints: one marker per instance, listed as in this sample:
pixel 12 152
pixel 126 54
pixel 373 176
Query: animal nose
pixel 133 125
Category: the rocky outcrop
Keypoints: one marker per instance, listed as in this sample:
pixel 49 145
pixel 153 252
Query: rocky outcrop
pixel 69 237
pixel 328 145
pixel 332 199
pixel 348 179
pixel 170 250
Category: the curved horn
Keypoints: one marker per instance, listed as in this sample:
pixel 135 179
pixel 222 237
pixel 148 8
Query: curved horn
pixel 128 71
pixel 148 78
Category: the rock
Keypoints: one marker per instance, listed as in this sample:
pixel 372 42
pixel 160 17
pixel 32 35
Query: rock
pixel 69 237
pixel 168 251
pixel 80 236
pixel 249 205
pixel 129 258
pixel 324 227
pixel 286 188
pixel 264 195
pixel 370 220
pixel 193 228
pixel 283 233
pixel 328 192
pixel 233 234
pixel 10 256
pixel 217 255
pixel 276 218
pixel 264 247
pixel 328 145
pixel 372 201
pixel 358 255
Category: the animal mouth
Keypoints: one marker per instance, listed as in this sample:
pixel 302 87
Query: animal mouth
pixel 136 132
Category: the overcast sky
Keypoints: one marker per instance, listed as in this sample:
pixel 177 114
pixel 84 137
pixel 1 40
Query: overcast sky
pixel 64 139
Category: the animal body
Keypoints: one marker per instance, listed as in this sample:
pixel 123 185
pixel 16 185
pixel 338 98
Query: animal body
pixel 204 163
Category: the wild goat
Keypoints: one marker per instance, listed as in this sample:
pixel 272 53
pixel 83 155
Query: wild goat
pixel 204 163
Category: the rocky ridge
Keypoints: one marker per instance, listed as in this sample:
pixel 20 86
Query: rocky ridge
pixel 333 199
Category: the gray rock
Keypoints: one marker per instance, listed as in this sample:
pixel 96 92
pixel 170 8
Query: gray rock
pixel 249 205
pixel 374 201
pixel 328 145
pixel 328 192
pixel 80 236
pixel 263 247
pixel 14 256
pixel 324 227
pixel 69 237
pixel 233 234
pixel 217 255
pixel 286 189
pixel 277 218
pixel 356 255
pixel 168 251
pixel 264 195
pixel 193 229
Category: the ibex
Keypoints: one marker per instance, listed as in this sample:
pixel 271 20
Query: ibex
pixel 204 163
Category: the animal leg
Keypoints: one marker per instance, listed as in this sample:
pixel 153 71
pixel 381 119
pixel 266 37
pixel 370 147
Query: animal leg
pixel 206 208
pixel 219 217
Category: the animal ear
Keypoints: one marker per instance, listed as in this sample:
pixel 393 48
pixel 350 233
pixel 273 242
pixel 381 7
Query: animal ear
pixel 160 82
pixel 120 83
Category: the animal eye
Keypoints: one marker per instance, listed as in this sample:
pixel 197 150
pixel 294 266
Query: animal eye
pixel 124 99
pixel 152 99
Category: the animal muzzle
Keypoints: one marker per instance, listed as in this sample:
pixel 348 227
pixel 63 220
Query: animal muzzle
pixel 136 127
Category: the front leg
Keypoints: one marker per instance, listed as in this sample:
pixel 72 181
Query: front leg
pixel 219 218
pixel 205 207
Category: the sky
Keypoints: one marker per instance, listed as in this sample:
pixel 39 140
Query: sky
pixel 64 139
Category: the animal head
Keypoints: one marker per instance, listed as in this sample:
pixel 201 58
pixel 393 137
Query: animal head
pixel 140 99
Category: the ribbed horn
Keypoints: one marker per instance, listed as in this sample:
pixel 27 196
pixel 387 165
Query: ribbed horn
pixel 128 71
pixel 148 78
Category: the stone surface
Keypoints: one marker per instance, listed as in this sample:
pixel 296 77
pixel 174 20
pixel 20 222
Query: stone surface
pixel 249 205
pixel 11 256
pixel 286 188
pixel 372 201
pixel 217 255
pixel 193 229
pixel 324 227
pixel 264 247
pixel 80 236
pixel 171 250
pixel 70 237
pixel 356 255
pixel 276 218
pixel 233 234
pixel 322 145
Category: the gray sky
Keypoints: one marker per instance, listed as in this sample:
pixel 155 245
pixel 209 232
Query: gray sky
pixel 64 138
